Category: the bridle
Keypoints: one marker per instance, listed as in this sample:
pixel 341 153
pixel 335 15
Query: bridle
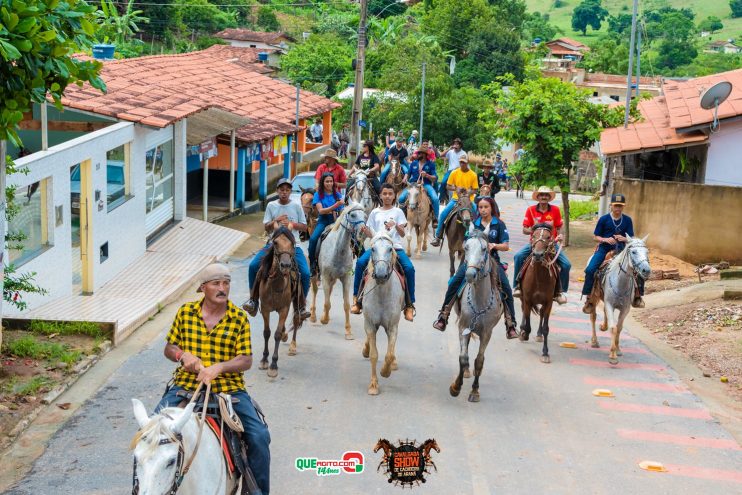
pixel 548 239
pixel 486 268
pixel 390 262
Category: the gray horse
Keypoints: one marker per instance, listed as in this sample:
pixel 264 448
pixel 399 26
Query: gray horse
pixel 361 192
pixel 335 259
pixel 383 302
pixel 618 290
pixel 479 310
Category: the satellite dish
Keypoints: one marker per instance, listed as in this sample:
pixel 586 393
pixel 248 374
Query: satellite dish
pixel 713 97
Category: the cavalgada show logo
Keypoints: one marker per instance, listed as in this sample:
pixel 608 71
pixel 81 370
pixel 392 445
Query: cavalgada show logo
pixel 351 463
pixel 407 463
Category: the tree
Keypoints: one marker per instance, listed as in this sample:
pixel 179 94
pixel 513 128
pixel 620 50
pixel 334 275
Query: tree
pixel 492 52
pixel 536 25
pixel 267 19
pixel 320 59
pixel 672 54
pixel 37 40
pixel 385 8
pixel 736 6
pixel 117 27
pixel 588 13
pixel 619 24
pixel 710 24
pixel 553 121
pixel 202 16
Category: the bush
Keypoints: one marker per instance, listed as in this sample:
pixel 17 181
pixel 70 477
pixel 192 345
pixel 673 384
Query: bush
pixel 66 328
pixel 29 347
pixel 578 209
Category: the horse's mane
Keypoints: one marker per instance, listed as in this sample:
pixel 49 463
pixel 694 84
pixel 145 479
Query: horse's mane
pixel 267 262
pixel 382 235
pixel 546 226
pixel 616 261
pixel 479 234
pixel 153 431
pixel 343 214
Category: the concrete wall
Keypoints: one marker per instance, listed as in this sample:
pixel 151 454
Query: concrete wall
pixel 694 222
pixel 723 159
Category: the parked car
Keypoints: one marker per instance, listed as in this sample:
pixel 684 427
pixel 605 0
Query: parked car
pixel 305 180
pixel 115 188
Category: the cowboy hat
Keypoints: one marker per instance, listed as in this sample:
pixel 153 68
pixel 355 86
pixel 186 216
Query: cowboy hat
pixel 214 271
pixel 487 163
pixel 618 199
pixel 543 190
pixel 330 153
pixel 464 158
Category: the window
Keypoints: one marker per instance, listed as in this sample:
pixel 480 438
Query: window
pixel 117 176
pixel 615 97
pixel 30 219
pixel 159 175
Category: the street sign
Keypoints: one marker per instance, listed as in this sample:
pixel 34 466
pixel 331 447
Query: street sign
pixel 363 123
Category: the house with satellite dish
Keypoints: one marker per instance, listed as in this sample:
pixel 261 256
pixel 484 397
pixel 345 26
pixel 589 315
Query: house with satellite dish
pixel 679 166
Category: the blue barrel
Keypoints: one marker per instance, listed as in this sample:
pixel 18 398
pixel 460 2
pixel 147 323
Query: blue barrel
pixel 103 52
pixel 263 56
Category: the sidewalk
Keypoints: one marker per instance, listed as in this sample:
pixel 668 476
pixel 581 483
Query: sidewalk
pixel 151 282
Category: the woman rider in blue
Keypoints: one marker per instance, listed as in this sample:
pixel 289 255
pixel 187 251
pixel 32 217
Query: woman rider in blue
pixel 328 202
pixel 422 167
pixel 489 223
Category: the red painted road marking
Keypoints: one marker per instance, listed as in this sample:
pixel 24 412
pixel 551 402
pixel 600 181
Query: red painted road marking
pixel 589 333
pixel 662 410
pixel 605 364
pixel 569 319
pixel 650 436
pixel 660 387
pixel 704 473
pixel 625 350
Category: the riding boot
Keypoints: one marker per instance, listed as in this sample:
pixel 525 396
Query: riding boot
pixel 442 321
pixel 516 289
pixel 560 298
pixel 436 242
pixel 589 306
pixel 409 313
pixel 251 306
pixel 638 301
pixel 357 306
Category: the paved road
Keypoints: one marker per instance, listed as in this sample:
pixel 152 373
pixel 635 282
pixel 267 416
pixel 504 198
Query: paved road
pixel 538 428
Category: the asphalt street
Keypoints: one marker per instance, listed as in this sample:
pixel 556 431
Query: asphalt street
pixel 537 430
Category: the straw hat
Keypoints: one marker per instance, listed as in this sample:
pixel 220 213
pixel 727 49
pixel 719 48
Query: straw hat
pixel 543 190
pixel 330 153
pixel 487 163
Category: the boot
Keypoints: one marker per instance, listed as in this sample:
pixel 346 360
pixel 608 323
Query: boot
pixel 251 307
pixel 589 306
pixel 436 242
pixel 638 302
pixel 304 314
pixel 356 308
pixel 442 321
pixel 516 291
pixel 409 313
pixel 560 298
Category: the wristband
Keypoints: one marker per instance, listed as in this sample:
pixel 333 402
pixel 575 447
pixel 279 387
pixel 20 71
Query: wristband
pixel 179 355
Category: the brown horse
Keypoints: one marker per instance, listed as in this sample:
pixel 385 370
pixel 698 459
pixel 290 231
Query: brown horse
pixel 280 287
pixel 426 447
pixel 307 195
pixel 419 217
pixel 485 190
pixel 538 285
pixel 395 177
pixel 518 178
pixel 385 444
pixel 458 225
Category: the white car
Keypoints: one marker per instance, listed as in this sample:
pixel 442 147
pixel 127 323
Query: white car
pixel 303 180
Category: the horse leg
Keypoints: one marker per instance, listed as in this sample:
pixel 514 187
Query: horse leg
pixel 525 324
pixel 409 242
pixel 479 365
pixel 420 237
pixel 327 285
pixel 365 351
pixel 424 229
pixel 619 326
pixel 594 341
pixel 604 324
pixel 280 330
pixel 266 336
pixel 346 305
pixel 609 310
pixel 373 388
pixel 544 329
pixel 292 345
pixel 312 310
pixel 452 259
pixel 390 360
pixel 455 388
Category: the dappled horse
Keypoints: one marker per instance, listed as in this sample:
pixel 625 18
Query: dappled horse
pixel 383 301
pixel 363 193
pixel 539 281
pixel 419 217
pixel 615 287
pixel 335 261
pixel 280 287
pixel 479 308
pixel 456 228
pixel 395 177
pixel 306 198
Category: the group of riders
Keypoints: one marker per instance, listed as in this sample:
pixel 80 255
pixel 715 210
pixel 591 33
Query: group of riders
pixel 210 338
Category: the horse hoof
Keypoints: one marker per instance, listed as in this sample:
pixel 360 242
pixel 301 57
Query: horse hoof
pixel 325 321
pixel 523 336
pixel 539 338
pixel 263 365
pixel 613 361
pixel 595 345
pixel 349 336
pixel 474 397
pixel 292 350
pixel 313 318
pixel 454 391
pixel 467 373
pixel 386 371
pixel 603 327
pixel 373 390
pixel 285 336
pixel 619 353
pixel 272 373
pixel 545 359
pixel 425 248
pixel 395 366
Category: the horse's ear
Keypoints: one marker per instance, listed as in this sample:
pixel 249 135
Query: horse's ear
pixel 644 239
pixel 628 238
pixel 177 427
pixel 140 413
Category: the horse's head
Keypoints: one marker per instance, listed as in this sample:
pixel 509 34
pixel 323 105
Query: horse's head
pixel 306 197
pixel 639 255
pixel 382 257
pixel 395 168
pixel 541 240
pixel 382 444
pixel 283 248
pixel 476 256
pixel 431 444
pixel 158 448
pixel 463 205
pixel 413 196
pixel 485 190
pixel 353 217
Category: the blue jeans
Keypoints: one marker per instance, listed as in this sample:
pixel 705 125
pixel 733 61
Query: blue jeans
pixel 301 263
pixel 409 271
pixel 459 278
pixel 431 194
pixel 256 433
pixel 444 182
pixel 316 234
pixel 449 206
pixel 592 268
pixel 385 172
pixel 564 265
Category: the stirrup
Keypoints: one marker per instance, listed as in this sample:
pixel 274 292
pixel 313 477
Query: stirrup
pixel 638 302
pixel 251 307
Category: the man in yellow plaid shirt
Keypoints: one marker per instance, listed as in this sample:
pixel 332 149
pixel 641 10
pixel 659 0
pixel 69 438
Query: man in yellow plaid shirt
pixel 210 338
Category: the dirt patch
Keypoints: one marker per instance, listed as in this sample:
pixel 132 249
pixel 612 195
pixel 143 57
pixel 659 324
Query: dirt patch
pixel 709 333
pixel 25 379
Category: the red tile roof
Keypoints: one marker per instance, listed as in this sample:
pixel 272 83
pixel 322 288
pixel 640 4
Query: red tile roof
pixel 162 89
pixel 245 56
pixel 239 34
pixel 568 41
pixel 684 99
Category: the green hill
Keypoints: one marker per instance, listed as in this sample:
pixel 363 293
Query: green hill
pixel 562 17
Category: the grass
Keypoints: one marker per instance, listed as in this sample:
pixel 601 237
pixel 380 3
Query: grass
pixel 15 386
pixel 66 328
pixel 29 347
pixel 579 209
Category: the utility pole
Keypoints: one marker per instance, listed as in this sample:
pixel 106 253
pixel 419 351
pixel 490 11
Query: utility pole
pixel 638 57
pixel 422 107
pixel 296 141
pixel 355 129
pixel 3 227
pixel 631 65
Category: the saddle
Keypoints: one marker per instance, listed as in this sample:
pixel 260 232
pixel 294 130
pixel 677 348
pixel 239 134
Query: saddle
pixel 450 217
pixel 400 274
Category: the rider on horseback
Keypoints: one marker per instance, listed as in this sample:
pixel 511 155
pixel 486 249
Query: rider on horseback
pixel 488 222
pixel 487 177
pixel 423 168
pixel 543 212
pixel 369 163
pixel 210 339
pixel 610 234
pixel 281 212
pixel 461 178
pixel 387 218
pixel 328 203
pixel 397 152
pixel 331 166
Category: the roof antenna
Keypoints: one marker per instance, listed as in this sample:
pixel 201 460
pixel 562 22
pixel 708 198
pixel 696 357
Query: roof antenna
pixel 713 97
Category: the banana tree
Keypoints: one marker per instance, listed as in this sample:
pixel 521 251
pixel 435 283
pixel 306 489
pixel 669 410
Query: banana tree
pixel 117 27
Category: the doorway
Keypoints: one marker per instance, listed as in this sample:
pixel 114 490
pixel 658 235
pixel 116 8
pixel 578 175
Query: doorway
pixel 81 207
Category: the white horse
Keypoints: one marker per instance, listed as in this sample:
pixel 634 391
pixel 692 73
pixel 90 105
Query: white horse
pixel 335 259
pixel 479 310
pixel 165 442
pixel 361 192
pixel 383 302
pixel 618 290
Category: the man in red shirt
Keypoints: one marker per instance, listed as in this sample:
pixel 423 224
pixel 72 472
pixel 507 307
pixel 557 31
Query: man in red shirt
pixel 543 212
pixel 330 167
